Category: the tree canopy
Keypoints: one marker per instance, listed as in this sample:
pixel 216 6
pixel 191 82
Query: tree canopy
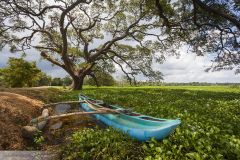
pixel 208 27
pixel 79 35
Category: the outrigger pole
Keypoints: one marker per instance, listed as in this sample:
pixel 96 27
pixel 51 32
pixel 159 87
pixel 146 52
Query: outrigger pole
pixel 100 110
pixel 40 122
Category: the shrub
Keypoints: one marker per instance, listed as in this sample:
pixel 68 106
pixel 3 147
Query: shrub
pixel 20 73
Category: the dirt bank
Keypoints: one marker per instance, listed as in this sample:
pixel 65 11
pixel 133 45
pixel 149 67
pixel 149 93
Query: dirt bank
pixel 15 111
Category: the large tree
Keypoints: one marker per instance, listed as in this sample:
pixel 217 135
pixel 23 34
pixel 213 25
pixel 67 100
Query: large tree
pixel 78 34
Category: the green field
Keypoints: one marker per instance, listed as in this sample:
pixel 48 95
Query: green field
pixel 210 126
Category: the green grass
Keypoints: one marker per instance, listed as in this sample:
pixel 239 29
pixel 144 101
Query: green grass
pixel 210 126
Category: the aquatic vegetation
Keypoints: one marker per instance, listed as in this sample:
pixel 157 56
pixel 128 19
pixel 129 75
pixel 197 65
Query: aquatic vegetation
pixel 101 144
pixel 210 119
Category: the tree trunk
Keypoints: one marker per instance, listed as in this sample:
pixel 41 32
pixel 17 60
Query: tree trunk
pixel 77 83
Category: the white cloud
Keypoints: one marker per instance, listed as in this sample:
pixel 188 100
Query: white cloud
pixel 190 68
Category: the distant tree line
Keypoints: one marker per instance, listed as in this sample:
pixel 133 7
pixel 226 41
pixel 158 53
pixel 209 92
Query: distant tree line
pixel 46 80
pixel 100 78
pixel 21 73
pixel 158 83
pixel 199 84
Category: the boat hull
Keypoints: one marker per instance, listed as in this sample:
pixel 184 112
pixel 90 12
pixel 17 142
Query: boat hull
pixel 135 126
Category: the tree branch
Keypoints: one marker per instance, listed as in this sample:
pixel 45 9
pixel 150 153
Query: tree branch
pixel 45 56
pixel 161 14
pixel 226 16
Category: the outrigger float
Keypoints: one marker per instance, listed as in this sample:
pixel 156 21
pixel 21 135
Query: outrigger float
pixel 138 126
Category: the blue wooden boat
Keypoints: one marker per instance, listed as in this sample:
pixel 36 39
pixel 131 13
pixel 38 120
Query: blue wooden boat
pixel 138 126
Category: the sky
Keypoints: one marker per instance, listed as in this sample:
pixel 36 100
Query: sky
pixel 187 68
